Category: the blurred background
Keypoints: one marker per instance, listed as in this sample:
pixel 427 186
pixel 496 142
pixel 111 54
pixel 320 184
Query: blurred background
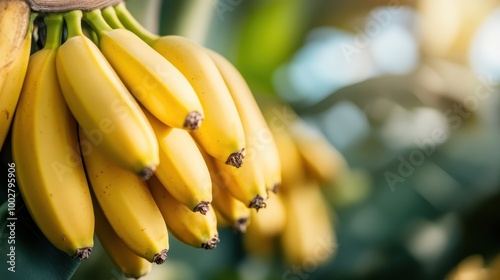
pixel 405 90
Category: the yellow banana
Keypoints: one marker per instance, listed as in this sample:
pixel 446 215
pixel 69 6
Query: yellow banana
pixel 14 27
pixel 130 264
pixel 101 103
pixel 182 169
pixel 320 157
pixel 45 149
pixel 258 137
pixel 193 229
pixel 270 221
pixel 152 79
pixel 15 46
pixel 292 165
pixel 246 184
pixel 127 204
pixel 308 236
pixel 221 221
pixel 233 211
pixel 265 227
pixel 221 134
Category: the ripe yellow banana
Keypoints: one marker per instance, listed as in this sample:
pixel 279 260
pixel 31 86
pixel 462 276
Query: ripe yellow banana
pixel 292 165
pixel 191 228
pixel 15 46
pixel 265 228
pixel 258 137
pixel 152 79
pixel 44 145
pixel 182 169
pixel 130 264
pixel 101 103
pixel 221 134
pixel 320 157
pixel 270 221
pixel 246 184
pixel 233 211
pixel 308 236
pixel 127 204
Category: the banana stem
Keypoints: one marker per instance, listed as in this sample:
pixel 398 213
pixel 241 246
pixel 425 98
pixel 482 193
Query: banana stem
pixel 128 20
pixel 95 19
pixel 74 23
pixel 54 31
pixel 111 18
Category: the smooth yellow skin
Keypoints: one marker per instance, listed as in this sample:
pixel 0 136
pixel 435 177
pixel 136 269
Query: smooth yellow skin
pixel 49 169
pixel 152 79
pixel 221 133
pixel 292 166
pixel 130 264
pixel 259 140
pixel 127 204
pixel 13 68
pixel 182 169
pixel 103 106
pixel 309 231
pixel 271 220
pixel 191 228
pixel 244 183
pixel 320 157
pixel 232 210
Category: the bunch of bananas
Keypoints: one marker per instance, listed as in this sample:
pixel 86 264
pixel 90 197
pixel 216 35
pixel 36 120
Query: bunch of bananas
pixel 299 222
pixel 129 135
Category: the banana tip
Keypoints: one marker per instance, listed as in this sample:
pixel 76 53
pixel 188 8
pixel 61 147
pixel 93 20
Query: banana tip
pixel 241 225
pixel 210 245
pixel 161 257
pixel 147 172
pixel 202 207
pixel 83 253
pixel 193 120
pixel 257 203
pixel 236 159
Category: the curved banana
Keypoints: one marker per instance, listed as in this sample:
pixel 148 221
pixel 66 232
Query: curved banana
pixel 258 137
pixel 182 169
pixel 265 228
pixel 14 27
pixel 152 79
pixel 292 166
pixel 320 157
pixel 233 211
pixel 309 233
pixel 101 103
pixel 246 184
pixel 127 204
pixel 270 221
pixel 193 229
pixel 130 264
pixel 221 134
pixel 45 149
pixel 15 47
